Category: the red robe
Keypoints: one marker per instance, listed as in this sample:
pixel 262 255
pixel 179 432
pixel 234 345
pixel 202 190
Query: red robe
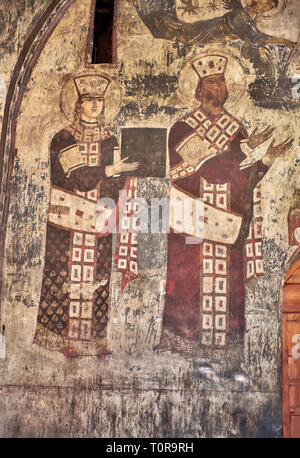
pixel 216 317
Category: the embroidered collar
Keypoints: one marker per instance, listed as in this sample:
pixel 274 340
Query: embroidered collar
pixel 85 132
pixel 87 124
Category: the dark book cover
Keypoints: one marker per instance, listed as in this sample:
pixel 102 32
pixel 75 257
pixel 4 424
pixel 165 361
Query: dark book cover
pixel 147 146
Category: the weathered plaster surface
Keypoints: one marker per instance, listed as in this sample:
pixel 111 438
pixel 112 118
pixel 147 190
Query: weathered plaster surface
pixel 143 393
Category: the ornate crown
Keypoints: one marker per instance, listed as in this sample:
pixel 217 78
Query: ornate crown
pixel 91 85
pixel 210 65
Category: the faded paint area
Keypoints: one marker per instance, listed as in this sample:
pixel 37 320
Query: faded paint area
pixel 159 384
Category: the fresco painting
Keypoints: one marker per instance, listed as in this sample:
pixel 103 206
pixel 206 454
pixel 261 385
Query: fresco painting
pixel 238 24
pixel 168 327
pixel 210 155
pixel 74 305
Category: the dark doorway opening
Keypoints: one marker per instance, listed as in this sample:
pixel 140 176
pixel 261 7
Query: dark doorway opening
pixel 103 32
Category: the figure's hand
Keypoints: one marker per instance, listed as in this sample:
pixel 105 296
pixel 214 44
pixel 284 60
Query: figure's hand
pixel 256 140
pixel 275 151
pixel 232 4
pixel 282 41
pixel 121 166
pixel 290 44
pixel 264 54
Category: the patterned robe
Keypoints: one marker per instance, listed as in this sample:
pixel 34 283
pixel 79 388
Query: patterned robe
pixel 205 292
pixel 73 311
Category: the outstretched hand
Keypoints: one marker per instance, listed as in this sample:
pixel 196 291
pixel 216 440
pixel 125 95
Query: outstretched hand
pixel 121 166
pixel 275 151
pixel 256 139
pixel 231 4
pixel 264 54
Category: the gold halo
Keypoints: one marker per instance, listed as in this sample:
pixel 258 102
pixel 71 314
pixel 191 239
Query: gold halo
pixel 112 97
pixel 275 11
pixel 234 76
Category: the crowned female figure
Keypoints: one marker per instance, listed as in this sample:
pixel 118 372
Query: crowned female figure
pixel 74 303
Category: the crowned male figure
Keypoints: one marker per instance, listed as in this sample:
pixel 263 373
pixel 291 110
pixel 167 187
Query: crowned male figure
pixel 208 150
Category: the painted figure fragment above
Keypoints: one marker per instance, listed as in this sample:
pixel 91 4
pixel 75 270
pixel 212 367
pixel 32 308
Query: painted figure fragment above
pixel 85 166
pixel 210 155
pixel 225 21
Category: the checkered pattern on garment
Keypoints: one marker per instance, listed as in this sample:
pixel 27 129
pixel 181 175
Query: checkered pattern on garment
pixel 92 262
pixel 88 135
pixel 253 245
pixel 216 134
pixel 214 274
pixel 82 274
pixel 90 153
pixel 126 259
pixel 182 170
